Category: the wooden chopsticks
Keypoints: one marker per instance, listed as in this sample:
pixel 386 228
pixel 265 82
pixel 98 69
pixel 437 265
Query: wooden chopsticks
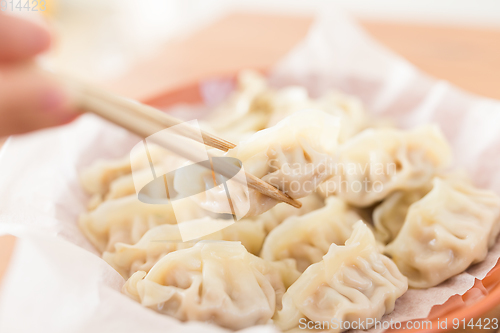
pixel 144 121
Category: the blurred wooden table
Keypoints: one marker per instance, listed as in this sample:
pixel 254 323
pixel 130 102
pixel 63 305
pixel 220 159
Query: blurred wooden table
pixel 468 58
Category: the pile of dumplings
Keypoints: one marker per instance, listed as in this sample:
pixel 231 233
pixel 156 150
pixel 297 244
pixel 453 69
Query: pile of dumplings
pixel 382 213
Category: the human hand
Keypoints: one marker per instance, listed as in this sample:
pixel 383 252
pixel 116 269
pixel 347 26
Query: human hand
pixel 29 100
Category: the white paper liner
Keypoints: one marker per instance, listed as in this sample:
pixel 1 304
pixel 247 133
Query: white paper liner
pixel 57 283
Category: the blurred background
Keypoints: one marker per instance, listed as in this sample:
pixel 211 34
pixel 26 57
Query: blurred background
pixel 101 40
pixel 456 40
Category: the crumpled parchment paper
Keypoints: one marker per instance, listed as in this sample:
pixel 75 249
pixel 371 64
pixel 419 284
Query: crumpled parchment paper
pixel 57 283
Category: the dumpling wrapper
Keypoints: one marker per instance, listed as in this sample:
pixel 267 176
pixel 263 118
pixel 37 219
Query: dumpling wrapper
pixel 350 110
pixel 126 220
pixel 164 239
pixel 279 213
pixel 307 238
pixel 449 229
pixel 97 178
pixel 352 282
pixel 254 105
pixel 378 162
pixel 389 216
pixel 217 282
pixel 246 110
pixel 296 155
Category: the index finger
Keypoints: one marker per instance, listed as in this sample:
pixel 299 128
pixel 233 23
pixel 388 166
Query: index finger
pixel 21 39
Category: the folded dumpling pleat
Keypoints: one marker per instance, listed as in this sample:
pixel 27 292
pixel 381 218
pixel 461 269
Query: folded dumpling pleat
pixel 279 213
pixel 378 162
pixel 352 283
pixel 217 282
pixel 296 155
pixel 164 239
pixel 389 216
pixel 445 232
pixel 98 178
pixel 307 238
pixel 126 220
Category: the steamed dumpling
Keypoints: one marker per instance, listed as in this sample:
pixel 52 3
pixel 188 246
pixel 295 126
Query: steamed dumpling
pixel 307 238
pixel 352 282
pixel 217 282
pixel 163 239
pixel 350 110
pixel 389 216
pixel 246 110
pixel 377 162
pixel 254 105
pixel 98 177
pixel 126 220
pixel 123 220
pixel 295 156
pixel 276 215
pixel 107 180
pixel 445 232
